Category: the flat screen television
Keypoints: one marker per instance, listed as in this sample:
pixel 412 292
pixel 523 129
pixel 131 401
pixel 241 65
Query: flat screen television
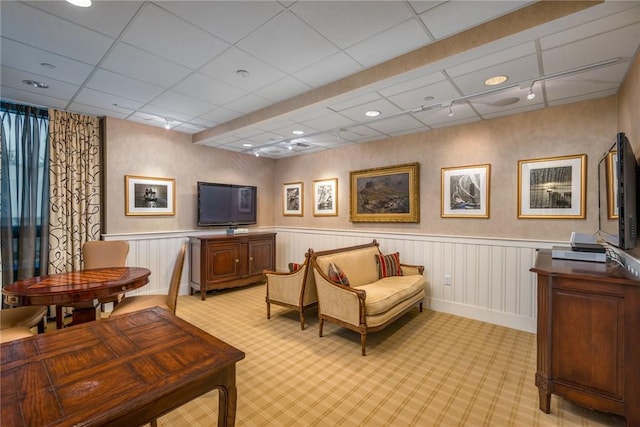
pixel 226 204
pixel 618 194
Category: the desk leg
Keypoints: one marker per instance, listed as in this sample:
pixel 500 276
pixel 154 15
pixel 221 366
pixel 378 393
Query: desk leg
pixel 228 398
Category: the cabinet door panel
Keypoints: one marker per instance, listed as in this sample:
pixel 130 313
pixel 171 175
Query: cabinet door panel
pixel 261 256
pixel 588 340
pixel 223 262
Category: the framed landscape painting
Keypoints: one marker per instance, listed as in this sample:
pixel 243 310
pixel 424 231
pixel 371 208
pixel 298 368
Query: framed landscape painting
pixel 149 196
pixel 387 194
pixel 553 187
pixel 465 191
pixel 325 197
pixel 293 195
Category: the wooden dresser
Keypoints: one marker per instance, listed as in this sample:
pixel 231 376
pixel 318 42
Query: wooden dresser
pixel 588 335
pixel 227 261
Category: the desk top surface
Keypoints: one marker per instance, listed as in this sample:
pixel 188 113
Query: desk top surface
pixel 122 370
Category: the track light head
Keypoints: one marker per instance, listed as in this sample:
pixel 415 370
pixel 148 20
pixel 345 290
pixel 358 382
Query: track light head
pixel 451 110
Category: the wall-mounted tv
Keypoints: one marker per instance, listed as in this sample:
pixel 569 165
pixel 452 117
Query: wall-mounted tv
pixel 618 194
pixel 226 204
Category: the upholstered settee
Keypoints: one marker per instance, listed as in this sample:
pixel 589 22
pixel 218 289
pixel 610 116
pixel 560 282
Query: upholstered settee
pixel 365 301
pixel 295 289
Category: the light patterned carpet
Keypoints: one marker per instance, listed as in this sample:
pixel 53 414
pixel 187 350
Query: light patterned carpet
pixel 427 369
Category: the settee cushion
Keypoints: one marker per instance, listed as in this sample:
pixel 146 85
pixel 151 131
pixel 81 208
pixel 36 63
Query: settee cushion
pixel 384 294
pixel 359 265
pixel 337 275
pixel 388 265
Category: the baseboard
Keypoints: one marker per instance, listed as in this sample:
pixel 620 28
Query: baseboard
pixel 520 323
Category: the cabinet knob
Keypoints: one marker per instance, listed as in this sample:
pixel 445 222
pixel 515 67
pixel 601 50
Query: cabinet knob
pixel 251 258
pixel 124 288
pixel 237 260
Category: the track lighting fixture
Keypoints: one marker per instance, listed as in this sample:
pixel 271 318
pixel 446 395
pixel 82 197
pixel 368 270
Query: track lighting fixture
pixel 257 153
pixel 451 109
pixel 166 123
pixel 531 95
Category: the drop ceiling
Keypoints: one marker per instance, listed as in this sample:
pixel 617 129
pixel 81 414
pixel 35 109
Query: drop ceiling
pixel 243 75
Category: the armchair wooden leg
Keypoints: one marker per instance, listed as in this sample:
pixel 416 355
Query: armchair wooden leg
pixel 363 342
pixel 268 310
pixel 301 320
pixel 421 307
pixel 154 423
pixel 320 326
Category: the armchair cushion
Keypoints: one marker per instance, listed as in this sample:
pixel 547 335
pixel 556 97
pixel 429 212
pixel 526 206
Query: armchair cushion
pixel 388 265
pixel 337 275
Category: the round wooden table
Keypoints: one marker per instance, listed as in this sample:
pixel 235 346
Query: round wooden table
pixel 77 288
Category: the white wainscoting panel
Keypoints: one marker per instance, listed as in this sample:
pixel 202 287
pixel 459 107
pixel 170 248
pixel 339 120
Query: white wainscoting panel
pixel 490 278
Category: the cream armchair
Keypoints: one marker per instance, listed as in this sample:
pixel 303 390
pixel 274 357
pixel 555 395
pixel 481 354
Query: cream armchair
pixel 295 290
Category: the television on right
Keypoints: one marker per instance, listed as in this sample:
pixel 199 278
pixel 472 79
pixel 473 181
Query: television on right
pixel 618 194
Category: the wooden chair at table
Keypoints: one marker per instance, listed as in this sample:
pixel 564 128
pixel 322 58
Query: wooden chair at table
pixel 167 301
pixel 101 254
pixel 16 323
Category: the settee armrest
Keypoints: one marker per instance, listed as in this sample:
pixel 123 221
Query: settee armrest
pixel 409 270
pixel 339 302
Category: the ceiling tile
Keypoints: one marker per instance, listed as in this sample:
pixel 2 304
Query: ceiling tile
pixel 603 79
pixel 357 113
pixel 98 99
pixel 248 104
pixel 346 23
pixel 208 89
pixel 287 43
pixel 29 98
pixel 36 28
pixel 229 20
pixel 97 111
pixel 328 70
pixel 128 88
pixel 26 58
pixel 57 89
pixel 225 66
pixel 184 107
pixel 396 125
pixel 393 42
pixel 485 60
pixel 138 64
pixel 425 96
pixel 161 33
pixel 454 16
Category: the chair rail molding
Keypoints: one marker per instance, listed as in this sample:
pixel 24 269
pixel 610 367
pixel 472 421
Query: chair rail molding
pixel 489 278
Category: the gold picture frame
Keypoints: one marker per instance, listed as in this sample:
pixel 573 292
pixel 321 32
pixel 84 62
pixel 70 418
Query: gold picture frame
pixel 553 187
pixel 145 195
pixel 465 191
pixel 293 199
pixel 325 197
pixel 386 194
pixel 612 185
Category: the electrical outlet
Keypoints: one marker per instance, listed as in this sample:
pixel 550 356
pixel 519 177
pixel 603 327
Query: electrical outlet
pixel 447 280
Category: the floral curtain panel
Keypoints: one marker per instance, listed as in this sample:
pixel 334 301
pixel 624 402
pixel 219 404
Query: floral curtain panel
pixel 74 174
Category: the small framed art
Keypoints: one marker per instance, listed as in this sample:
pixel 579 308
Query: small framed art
pixel 293 199
pixel 149 196
pixel 325 197
pixel 553 187
pixel 465 191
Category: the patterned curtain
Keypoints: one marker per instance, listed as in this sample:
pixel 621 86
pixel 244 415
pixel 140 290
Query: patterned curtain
pixel 24 195
pixel 74 175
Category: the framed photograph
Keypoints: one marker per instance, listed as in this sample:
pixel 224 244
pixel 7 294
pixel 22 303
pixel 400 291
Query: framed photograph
pixel 293 198
pixel 465 191
pixel 149 196
pixel 325 197
pixel 612 185
pixel 554 187
pixel 387 194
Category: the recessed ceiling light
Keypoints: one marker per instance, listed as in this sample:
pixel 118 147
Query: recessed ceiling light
pixel 80 3
pixel 36 84
pixel 298 132
pixel 242 73
pixel 372 113
pixel 429 98
pixel 496 80
pixel 246 144
pixel 47 65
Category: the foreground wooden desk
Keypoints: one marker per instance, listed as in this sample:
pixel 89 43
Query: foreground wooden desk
pixel 124 371
pixel 76 288
pixel 588 335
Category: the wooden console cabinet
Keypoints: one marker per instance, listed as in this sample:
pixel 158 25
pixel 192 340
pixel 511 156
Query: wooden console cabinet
pixel 224 261
pixel 588 335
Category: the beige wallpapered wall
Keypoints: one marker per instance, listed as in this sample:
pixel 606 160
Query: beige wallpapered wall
pixel 629 106
pixel 586 127
pixel 137 149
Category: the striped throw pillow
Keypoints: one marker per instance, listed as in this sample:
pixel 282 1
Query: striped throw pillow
pixel 337 276
pixel 388 265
